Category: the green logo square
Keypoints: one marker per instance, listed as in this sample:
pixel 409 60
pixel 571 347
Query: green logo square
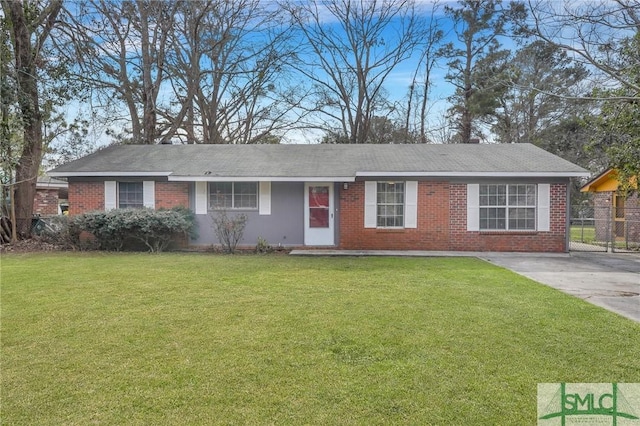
pixel 564 404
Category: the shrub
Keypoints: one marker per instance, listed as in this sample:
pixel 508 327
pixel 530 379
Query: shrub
pixel 63 232
pixel 229 230
pixel 106 227
pixel 263 246
pixel 155 229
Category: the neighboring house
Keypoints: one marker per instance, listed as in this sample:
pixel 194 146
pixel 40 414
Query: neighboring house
pixel 616 215
pixel 51 196
pixel 494 197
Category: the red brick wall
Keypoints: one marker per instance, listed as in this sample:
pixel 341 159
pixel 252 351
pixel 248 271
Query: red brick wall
pixel 46 202
pixel 552 241
pixel 432 232
pixel 442 224
pixel 89 196
pixel 85 197
pixel 172 194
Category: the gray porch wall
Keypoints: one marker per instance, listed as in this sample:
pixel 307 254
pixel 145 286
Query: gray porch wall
pixel 284 226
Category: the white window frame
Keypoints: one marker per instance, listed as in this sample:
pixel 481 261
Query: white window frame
pixel 410 210
pixel 120 189
pixel 393 204
pixel 507 206
pixel 233 196
pixel 201 193
pixel 543 208
pixel 112 194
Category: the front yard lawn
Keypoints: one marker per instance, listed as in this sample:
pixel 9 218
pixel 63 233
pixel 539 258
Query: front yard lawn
pixel 203 339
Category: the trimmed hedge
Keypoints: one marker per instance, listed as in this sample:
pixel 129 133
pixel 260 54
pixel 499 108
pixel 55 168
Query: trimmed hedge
pixel 154 230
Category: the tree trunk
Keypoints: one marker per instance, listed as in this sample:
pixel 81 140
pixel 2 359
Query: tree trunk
pixel 12 214
pixel 467 117
pixel 29 163
pixel 26 176
pixel 26 57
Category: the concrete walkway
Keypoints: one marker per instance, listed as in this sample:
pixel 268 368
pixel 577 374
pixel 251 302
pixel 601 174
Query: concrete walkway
pixel 608 280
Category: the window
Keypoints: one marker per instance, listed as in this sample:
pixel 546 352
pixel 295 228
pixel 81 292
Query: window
pixel 233 195
pixel 319 206
pixel 390 204
pixel 507 207
pixel 130 195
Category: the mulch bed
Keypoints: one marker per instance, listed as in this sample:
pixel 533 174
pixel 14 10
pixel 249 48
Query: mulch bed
pixel 35 245
pixel 28 246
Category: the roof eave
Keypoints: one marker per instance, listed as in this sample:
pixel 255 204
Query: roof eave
pixel 262 178
pixel 208 178
pixel 474 174
pixel 41 185
pixel 109 173
pixel 596 181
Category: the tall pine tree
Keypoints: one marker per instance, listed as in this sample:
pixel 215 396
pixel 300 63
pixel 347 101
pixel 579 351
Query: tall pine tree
pixel 477 60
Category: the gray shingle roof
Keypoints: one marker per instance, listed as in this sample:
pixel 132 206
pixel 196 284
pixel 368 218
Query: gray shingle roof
pixel 319 161
pixel 49 182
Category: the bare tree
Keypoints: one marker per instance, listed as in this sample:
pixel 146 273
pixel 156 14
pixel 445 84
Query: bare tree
pixel 235 53
pixel 202 71
pixel 604 36
pixel 594 33
pixel 421 82
pixel 349 49
pixel 120 49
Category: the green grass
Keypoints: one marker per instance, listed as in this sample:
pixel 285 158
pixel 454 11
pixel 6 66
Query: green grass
pixel 584 234
pixel 202 339
pixel 587 234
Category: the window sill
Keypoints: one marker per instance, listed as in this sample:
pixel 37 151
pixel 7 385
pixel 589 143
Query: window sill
pixel 233 210
pixel 509 232
pixel 390 230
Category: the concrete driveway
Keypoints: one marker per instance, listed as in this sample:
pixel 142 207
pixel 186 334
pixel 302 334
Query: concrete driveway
pixel 608 280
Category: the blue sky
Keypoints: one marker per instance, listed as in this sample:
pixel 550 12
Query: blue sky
pixel 398 81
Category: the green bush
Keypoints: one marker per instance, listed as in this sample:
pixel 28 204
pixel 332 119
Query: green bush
pixel 153 229
pixel 263 246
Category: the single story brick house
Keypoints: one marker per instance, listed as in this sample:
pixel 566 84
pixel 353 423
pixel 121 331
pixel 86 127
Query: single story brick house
pixel 480 197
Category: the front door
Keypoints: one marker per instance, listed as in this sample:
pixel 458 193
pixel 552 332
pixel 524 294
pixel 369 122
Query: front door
pixel 318 214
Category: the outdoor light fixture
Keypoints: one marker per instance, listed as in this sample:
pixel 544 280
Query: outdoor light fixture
pixel 345 185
